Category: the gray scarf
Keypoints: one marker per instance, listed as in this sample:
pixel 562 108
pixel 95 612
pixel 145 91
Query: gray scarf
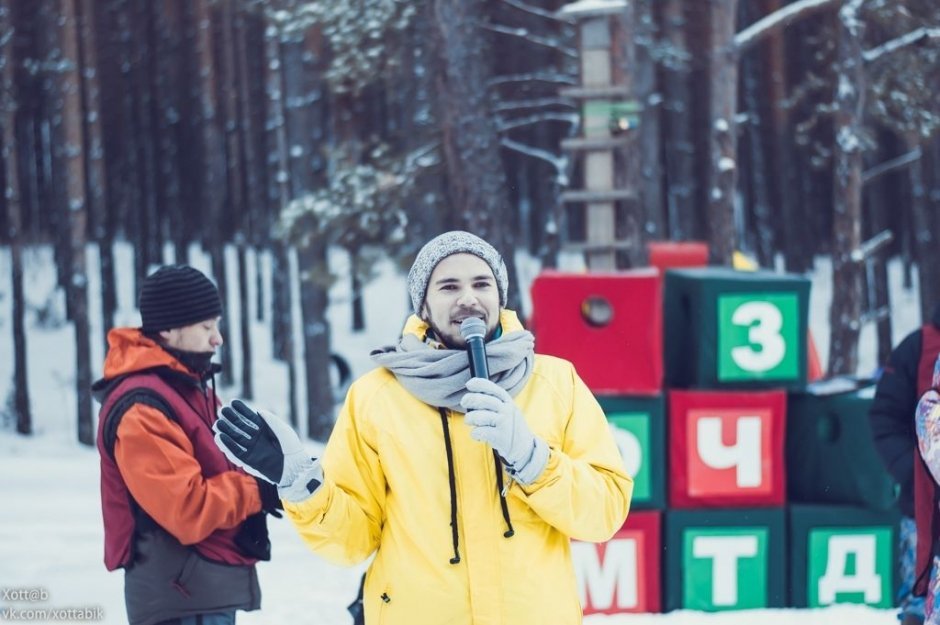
pixel 437 376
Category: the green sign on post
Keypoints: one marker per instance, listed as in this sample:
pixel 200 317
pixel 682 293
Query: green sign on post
pixel 632 435
pixel 758 337
pixel 850 565
pixel 724 568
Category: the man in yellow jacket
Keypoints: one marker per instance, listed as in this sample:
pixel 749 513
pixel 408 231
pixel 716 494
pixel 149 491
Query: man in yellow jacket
pixel 467 490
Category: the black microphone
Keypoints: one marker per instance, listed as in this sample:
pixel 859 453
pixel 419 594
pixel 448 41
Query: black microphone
pixel 473 330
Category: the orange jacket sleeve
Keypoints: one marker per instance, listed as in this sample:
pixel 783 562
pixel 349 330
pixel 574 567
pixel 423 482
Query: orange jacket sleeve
pixel 156 460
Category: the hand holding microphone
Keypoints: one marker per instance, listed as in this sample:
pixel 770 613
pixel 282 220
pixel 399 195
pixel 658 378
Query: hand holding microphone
pixel 494 416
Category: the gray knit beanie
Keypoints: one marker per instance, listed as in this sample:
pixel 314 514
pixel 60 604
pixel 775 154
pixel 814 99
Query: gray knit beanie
pixel 447 244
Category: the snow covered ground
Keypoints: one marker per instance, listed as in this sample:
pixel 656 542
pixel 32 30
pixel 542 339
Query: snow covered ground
pixel 51 535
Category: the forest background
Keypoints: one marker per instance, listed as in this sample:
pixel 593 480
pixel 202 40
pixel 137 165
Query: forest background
pixel 271 133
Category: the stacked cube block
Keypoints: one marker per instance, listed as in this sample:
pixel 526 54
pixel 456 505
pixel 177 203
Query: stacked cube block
pixel 751 489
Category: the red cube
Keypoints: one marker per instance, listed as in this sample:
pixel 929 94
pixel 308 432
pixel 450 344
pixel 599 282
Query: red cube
pixel 608 325
pixel 621 575
pixel 671 254
pixel 726 449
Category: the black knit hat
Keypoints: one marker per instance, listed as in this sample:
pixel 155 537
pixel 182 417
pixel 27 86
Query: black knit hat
pixel 176 296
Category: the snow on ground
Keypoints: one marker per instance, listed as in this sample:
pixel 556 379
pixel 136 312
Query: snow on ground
pixel 52 538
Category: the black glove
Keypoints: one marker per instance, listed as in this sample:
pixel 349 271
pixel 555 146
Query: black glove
pixel 261 444
pixel 270 502
pixel 252 537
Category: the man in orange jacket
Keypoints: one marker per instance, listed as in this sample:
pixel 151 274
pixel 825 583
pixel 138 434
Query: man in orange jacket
pixel 186 526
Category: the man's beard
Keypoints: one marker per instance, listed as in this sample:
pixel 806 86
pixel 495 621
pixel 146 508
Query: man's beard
pixel 198 362
pixel 457 342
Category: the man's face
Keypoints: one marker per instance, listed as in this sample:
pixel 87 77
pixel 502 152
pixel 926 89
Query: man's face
pixel 461 286
pixel 200 337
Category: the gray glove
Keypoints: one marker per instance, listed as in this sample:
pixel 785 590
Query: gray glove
pixel 267 448
pixel 497 421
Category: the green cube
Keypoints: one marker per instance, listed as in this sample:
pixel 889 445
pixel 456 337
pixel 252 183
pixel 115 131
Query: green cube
pixel 735 329
pixel 842 554
pixel 830 456
pixel 639 428
pixel 728 559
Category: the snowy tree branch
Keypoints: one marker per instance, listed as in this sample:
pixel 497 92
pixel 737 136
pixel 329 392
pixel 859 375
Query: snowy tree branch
pixel 508 124
pixel 422 157
pixel 888 166
pixel 515 105
pixel 779 19
pixel 533 10
pixel 550 77
pixel 914 37
pixel 558 161
pixel 526 35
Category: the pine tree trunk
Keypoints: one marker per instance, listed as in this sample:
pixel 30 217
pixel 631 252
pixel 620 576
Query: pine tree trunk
pixel 316 330
pixel 149 240
pixel 777 129
pixel 8 108
pixel 755 86
pixel 214 173
pixel 302 58
pixel 678 151
pixel 358 312
pixel 282 317
pixel 77 204
pixel 279 188
pixel 471 146
pixel 627 161
pixel 245 322
pixel 220 272
pixel 927 226
pixel 650 131
pixel 846 309
pixel 699 39
pixel 723 132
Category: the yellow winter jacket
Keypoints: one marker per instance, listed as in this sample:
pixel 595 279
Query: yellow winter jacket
pixel 387 492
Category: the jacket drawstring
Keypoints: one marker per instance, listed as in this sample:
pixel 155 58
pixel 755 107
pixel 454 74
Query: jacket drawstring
pixel 509 533
pixel 452 480
pixel 210 403
pixel 453 486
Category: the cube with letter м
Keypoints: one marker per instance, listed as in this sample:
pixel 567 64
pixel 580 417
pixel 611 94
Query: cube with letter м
pixel 621 575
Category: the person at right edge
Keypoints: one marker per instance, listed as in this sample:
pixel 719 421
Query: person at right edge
pixel 905 378
pixel 927 424
pixel 467 490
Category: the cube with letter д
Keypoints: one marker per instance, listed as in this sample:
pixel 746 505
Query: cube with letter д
pixel 842 554
pixel 608 325
pixel 638 425
pixel 735 329
pixel 726 448
pixel 725 559
pixel 621 575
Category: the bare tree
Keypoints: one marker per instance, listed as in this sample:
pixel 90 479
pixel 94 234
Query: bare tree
pixel 845 313
pixel 77 206
pixel 470 138
pixel 8 109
